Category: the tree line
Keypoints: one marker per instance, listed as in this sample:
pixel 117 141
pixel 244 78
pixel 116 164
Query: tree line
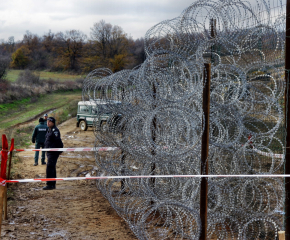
pixel 108 46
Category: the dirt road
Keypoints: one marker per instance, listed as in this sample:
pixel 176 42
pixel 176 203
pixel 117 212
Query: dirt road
pixel 75 210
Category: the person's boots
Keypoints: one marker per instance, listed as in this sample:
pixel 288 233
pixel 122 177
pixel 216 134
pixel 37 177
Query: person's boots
pixel 43 160
pixel 49 187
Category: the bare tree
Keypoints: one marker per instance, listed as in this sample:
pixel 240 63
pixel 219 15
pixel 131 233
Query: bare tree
pixel 110 44
pixel 31 41
pixel 10 44
pixel 70 47
pixel 118 42
pixel 37 55
pixel 101 34
pixel 48 41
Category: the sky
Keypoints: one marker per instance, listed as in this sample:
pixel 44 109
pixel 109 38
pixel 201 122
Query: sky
pixel 135 17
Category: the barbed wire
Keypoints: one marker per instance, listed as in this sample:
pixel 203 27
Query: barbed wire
pixel 157 122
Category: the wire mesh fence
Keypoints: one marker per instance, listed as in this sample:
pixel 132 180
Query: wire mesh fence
pixel 157 122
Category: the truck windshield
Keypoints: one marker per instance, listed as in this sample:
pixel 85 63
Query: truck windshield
pixel 84 109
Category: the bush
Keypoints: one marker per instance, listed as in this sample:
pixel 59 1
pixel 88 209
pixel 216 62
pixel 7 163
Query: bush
pixel 29 84
pixel 29 78
pixel 50 82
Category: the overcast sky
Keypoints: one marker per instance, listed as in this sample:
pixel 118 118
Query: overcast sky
pixel 40 16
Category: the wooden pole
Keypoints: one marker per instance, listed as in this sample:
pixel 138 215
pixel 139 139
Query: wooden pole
pixel 2 191
pixel 122 152
pixel 153 152
pixel 9 165
pixel 204 152
pixel 5 203
pixel 287 122
pixel 6 188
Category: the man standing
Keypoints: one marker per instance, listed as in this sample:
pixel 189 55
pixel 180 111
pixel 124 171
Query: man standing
pixel 52 140
pixel 45 117
pixel 38 136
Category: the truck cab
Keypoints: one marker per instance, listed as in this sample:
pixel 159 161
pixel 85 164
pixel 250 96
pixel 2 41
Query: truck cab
pixel 93 114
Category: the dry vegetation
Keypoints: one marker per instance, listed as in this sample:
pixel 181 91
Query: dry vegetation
pixel 29 84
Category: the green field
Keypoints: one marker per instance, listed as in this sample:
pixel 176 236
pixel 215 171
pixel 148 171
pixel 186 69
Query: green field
pixel 12 75
pixel 23 110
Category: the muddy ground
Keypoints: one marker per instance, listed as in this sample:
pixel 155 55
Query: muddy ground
pixel 74 210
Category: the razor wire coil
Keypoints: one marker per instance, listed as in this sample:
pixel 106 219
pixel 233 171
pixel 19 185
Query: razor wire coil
pixel 157 122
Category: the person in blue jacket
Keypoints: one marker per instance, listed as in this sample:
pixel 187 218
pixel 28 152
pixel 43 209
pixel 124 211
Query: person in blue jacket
pixel 52 140
pixel 38 137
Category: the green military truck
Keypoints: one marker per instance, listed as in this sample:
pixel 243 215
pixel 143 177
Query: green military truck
pixel 95 114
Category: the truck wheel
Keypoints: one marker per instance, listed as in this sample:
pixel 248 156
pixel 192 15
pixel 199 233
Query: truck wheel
pixel 83 125
pixel 104 126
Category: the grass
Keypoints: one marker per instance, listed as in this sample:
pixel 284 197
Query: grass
pixel 66 108
pixel 26 109
pixel 5 107
pixel 23 110
pixel 12 75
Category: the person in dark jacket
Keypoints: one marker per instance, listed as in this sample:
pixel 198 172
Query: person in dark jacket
pixel 38 137
pixel 52 140
pixel 45 116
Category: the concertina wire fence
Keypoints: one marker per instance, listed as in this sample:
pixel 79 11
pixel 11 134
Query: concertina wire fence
pixel 157 123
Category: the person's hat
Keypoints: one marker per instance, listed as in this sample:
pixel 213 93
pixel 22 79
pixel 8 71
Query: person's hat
pixel 51 119
pixel 45 115
pixel 41 120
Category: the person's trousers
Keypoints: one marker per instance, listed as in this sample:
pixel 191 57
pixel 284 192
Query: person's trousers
pixel 51 167
pixel 38 146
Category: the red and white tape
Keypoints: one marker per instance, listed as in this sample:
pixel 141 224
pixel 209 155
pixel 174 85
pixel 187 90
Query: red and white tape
pixel 68 149
pixel 146 176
